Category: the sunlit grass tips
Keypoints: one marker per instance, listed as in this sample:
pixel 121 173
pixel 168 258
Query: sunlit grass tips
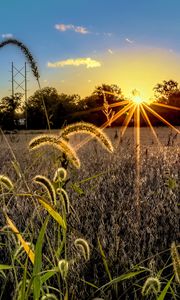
pixel 95 132
pixel 64 196
pixel 84 247
pixel 60 144
pixel 63 266
pixel 25 245
pixel 6 182
pixel 26 52
pixel 46 183
pixel 60 175
pixel 152 285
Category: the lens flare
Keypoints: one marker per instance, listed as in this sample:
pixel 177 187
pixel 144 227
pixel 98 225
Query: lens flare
pixel 137 99
pixel 132 109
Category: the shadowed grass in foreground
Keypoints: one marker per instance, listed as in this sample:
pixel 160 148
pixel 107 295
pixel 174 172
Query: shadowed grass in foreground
pixel 91 246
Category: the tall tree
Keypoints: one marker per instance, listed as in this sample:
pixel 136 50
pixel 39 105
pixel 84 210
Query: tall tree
pixel 59 107
pixel 8 108
pixel 110 93
pixel 36 117
pixel 164 90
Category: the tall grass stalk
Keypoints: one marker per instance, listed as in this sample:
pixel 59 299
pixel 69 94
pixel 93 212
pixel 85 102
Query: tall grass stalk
pixel 34 67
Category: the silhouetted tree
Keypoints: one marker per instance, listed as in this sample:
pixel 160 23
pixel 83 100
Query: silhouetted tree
pixel 103 95
pixel 59 108
pixel 111 93
pixel 164 90
pixel 8 109
pixel 36 117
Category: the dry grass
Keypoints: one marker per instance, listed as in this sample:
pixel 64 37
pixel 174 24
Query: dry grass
pixel 104 207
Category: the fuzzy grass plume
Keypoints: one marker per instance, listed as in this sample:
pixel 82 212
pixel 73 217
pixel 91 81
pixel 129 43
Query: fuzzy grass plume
pixel 84 247
pixel 60 175
pixel 151 286
pixel 49 297
pixel 46 183
pixel 6 182
pixel 62 193
pixel 63 266
pixel 60 144
pixel 176 261
pixel 94 131
pixel 26 52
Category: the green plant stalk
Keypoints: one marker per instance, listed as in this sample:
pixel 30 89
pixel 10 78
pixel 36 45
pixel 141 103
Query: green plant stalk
pixel 38 261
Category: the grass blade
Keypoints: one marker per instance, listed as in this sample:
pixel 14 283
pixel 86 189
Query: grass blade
pixel 26 247
pixel 52 211
pixel 48 275
pixel 104 260
pixel 38 261
pixel 121 278
pixel 5 267
pixel 164 291
pixel 23 285
pixel 89 283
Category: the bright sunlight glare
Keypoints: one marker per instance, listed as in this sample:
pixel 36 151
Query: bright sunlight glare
pixel 137 99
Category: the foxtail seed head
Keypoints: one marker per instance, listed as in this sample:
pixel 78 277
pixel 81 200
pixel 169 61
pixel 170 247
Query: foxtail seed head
pixel 61 192
pixel 60 144
pixel 88 128
pixel 6 182
pixel 60 175
pixel 176 261
pixel 63 266
pixel 46 183
pixel 49 297
pixel 151 285
pixel 26 52
pixel 84 247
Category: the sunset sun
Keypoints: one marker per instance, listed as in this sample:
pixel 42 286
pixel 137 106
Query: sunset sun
pixel 137 99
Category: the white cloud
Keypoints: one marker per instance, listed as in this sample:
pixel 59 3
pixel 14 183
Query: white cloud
pixel 65 27
pixel 129 41
pixel 86 61
pixel 110 51
pixel 81 30
pixel 109 34
pixel 7 35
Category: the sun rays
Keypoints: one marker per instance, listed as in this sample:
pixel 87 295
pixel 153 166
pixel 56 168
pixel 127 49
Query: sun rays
pixel 133 109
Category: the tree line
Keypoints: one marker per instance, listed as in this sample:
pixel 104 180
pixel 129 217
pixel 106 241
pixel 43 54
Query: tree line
pixel 62 108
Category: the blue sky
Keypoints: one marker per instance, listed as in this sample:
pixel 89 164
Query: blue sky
pixel 79 44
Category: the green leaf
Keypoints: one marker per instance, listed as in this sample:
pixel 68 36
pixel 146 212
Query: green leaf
pixel 48 275
pixel 5 267
pixel 52 211
pixel 38 261
pixel 104 260
pixel 121 278
pixel 89 283
pixel 92 177
pixel 77 189
pixel 164 291
pixel 23 285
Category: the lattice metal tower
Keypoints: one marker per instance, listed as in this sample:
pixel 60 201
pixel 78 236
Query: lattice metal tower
pixel 19 82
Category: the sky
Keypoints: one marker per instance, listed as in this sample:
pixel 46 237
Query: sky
pixel 80 44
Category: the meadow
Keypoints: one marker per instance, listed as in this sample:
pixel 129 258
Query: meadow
pixel 120 249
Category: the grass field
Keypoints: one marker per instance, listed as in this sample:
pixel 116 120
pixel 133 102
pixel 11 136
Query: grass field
pixel 103 208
